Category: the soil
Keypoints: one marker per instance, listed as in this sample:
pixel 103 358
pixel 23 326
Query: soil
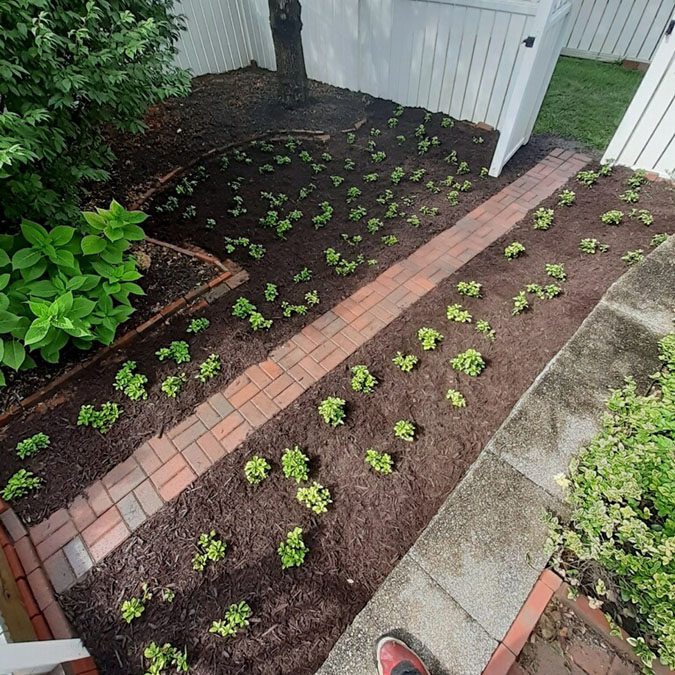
pixel 92 455
pixel 299 614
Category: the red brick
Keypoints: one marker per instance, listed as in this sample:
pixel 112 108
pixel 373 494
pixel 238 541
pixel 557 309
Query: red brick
pixel 168 470
pixel 43 529
pixel 14 561
pixel 288 360
pixel 27 555
pixel 190 435
pixel 147 459
pixel 163 447
pixel 207 415
pixel 56 540
pixel 236 385
pixel 527 618
pixel 551 579
pixel 501 661
pixel 148 498
pixel 126 484
pixel 278 385
pixel 173 487
pixel 109 541
pixel 258 376
pixel 27 599
pixel 265 404
pixel 253 415
pixel 243 395
pixel 592 660
pixel 228 424
pixel 41 588
pixel 85 666
pixel 210 445
pixel 220 404
pixel 235 437
pixel 304 378
pixel 173 307
pixel 315 369
pixel 41 628
pixel 81 513
pixel 345 344
pixel 59 571
pixel 304 343
pixel 58 624
pixel 196 458
pixel 335 358
pixel 98 498
pixel 288 395
pixel 101 526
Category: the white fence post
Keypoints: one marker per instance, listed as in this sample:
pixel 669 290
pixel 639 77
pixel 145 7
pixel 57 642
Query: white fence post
pixel 32 658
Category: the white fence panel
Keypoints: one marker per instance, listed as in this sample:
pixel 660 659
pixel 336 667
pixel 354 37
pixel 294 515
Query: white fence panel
pixel 645 138
pixel 612 30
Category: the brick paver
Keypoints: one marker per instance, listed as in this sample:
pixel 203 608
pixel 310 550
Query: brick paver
pixel 71 540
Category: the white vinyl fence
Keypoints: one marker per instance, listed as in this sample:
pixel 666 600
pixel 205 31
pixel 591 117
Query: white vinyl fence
pixel 614 30
pixel 645 138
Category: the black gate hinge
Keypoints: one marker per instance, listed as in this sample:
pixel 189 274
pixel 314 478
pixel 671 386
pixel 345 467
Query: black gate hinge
pixel 529 41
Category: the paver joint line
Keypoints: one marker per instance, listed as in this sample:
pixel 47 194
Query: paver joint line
pixel 162 467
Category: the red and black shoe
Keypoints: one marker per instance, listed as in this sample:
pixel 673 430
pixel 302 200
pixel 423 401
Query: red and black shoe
pixel 396 658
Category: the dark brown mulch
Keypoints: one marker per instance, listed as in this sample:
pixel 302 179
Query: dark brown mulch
pixel 171 275
pixel 80 456
pixel 373 521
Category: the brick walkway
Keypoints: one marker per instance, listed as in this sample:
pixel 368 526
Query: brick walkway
pixel 66 545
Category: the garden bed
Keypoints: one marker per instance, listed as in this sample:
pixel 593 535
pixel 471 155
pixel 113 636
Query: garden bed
pixel 304 246
pixel 373 520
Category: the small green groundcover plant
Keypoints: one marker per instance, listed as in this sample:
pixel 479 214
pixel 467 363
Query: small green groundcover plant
pixel 405 362
pixel 173 385
pixel 315 497
pixel 429 337
pixel 178 351
pixel 133 608
pixel 32 445
pixel 363 380
pixel 198 325
pixel 457 313
pixel 293 550
pixel 618 543
pixel 236 618
pixel 131 383
pixel 514 250
pixel 102 419
pixel 405 430
pixel 20 484
pixel 469 362
pixel 160 658
pixel 332 411
pixel 210 548
pixel 256 469
pixel 592 246
pixel 380 462
pixel 472 289
pixel 209 368
pixel 456 398
pixel 295 464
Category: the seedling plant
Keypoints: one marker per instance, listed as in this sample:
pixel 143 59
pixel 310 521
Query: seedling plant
pixel 456 398
pixel 315 497
pixel 380 462
pixel 332 411
pixel 131 383
pixel 362 380
pixel 405 430
pixel 295 464
pixel 198 325
pixel 102 419
pixel 30 446
pixel 210 549
pixel 293 550
pixel 514 250
pixel 471 289
pixel 236 619
pixel 20 484
pixel 429 337
pixel 209 369
pixel 469 362
pixel 173 384
pixel 458 314
pixel 405 362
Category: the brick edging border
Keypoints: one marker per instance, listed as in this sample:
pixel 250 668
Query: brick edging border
pixel 550 585
pixel 35 591
pixel 196 299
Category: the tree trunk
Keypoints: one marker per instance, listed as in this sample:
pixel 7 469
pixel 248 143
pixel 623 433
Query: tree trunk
pixel 286 33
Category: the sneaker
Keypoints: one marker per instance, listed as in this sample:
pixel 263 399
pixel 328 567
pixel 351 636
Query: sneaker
pixel 396 658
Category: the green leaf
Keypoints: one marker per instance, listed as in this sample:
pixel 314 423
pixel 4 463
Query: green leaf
pixel 8 322
pixel 25 258
pixel 37 331
pixel 94 220
pixel 4 258
pixel 82 307
pixel 34 234
pixel 63 259
pixel 61 235
pixel 4 280
pixel 63 304
pixel 134 233
pixel 35 271
pixel 92 245
pixel 39 309
pixel 14 355
pixel 3 382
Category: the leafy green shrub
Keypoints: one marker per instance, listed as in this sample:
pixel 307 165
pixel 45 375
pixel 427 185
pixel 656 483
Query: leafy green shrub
pixel 556 271
pixel 621 527
pixel 484 328
pixel 643 216
pixel 588 178
pixel 198 325
pixel 178 351
pixel 637 180
pixel 294 550
pixel 315 497
pixel 406 362
pixel 397 175
pixel 209 368
pixel 543 218
pixel 658 239
pixel 613 217
pixel 514 250
pixel 20 484
pixel 390 240
pixel 332 411
pixel 471 289
pixel 567 198
pixel 68 72
pixel 256 470
pixel 305 274
pixel 592 246
pixel 295 464
pixel 457 313
pixel 453 197
pixel 102 419
pixel 210 548
pixel 520 303
pixel 362 380
pixel 236 618
pixel 173 384
pixel 380 462
pixel 469 362
pixel 161 658
pixel 32 445
pixel 271 292
pixel 456 398
pixel 132 384
pixel 633 257
pixel 630 196
pixel 405 430
pixel 429 337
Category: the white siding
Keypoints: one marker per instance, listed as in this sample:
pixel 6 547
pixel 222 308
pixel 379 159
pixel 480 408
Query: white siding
pixel 645 138
pixel 613 30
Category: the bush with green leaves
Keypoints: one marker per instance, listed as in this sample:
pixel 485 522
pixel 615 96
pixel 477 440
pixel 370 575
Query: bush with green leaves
pixel 20 484
pixel 131 383
pixel 658 239
pixel 405 430
pixel 429 337
pixel 471 289
pixel 32 445
pixel 69 71
pixel 198 325
pixel 210 548
pixel 295 464
pixel 620 529
pixel 173 385
pixel 305 274
pixel 588 178
pixel 102 419
pixel 642 216
pixel 315 497
pixel 256 469
pixel 236 618
pixel 209 368
pixel 520 303
pixel 405 362
pixel 633 257
pixel 178 351
pixel 134 607
pixel 469 362
pixel 380 462
pixel 332 411
pixel 293 550
pixel 567 198
pixel 484 328
pixel 456 398
pixel 514 250
pixel 592 246
pixel 458 314
pixel 66 285
pixel 637 179
pixel 613 217
pixel 166 656
pixel 243 308
pixel 556 271
pixel 543 218
pixel 363 380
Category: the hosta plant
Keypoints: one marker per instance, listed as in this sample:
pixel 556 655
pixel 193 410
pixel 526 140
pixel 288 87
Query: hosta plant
pixel 167 656
pixel 456 398
pixel 102 419
pixel 520 303
pixel 32 445
pixel 178 351
pixel 173 385
pixel 514 250
pixel 380 462
pixel 643 216
pixel 293 550
pixel 471 289
pixel 389 240
pixel 209 368
pixel 633 257
pixel 236 618
pixel 20 484
pixel 134 607
pixel 305 274
pixel 295 464
pixel 556 271
pixel 405 430
pixel 362 380
pixel 658 239
pixel 271 292
pixel 484 328
pixel 630 196
pixel 332 411
pixel 397 175
pixel 315 497
pixel 198 325
pixel 637 180
pixel 256 469
pixel 131 383
pixel 469 362
pixel 405 362
pixel 567 198
pixel 592 246
pixel 613 217
pixel 453 197
pixel 429 337
pixel 210 549
pixel 588 178
pixel 457 313
pixel 543 218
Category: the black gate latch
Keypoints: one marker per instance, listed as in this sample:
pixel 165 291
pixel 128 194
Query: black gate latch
pixel 670 27
pixel 528 41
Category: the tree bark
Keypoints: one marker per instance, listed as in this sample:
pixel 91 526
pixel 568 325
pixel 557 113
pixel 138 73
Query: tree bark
pixel 286 27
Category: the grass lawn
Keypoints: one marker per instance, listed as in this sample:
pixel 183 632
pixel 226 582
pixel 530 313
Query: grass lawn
pixel 586 100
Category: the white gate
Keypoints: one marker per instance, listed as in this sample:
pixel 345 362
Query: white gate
pixel 542 48
pixel 645 138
